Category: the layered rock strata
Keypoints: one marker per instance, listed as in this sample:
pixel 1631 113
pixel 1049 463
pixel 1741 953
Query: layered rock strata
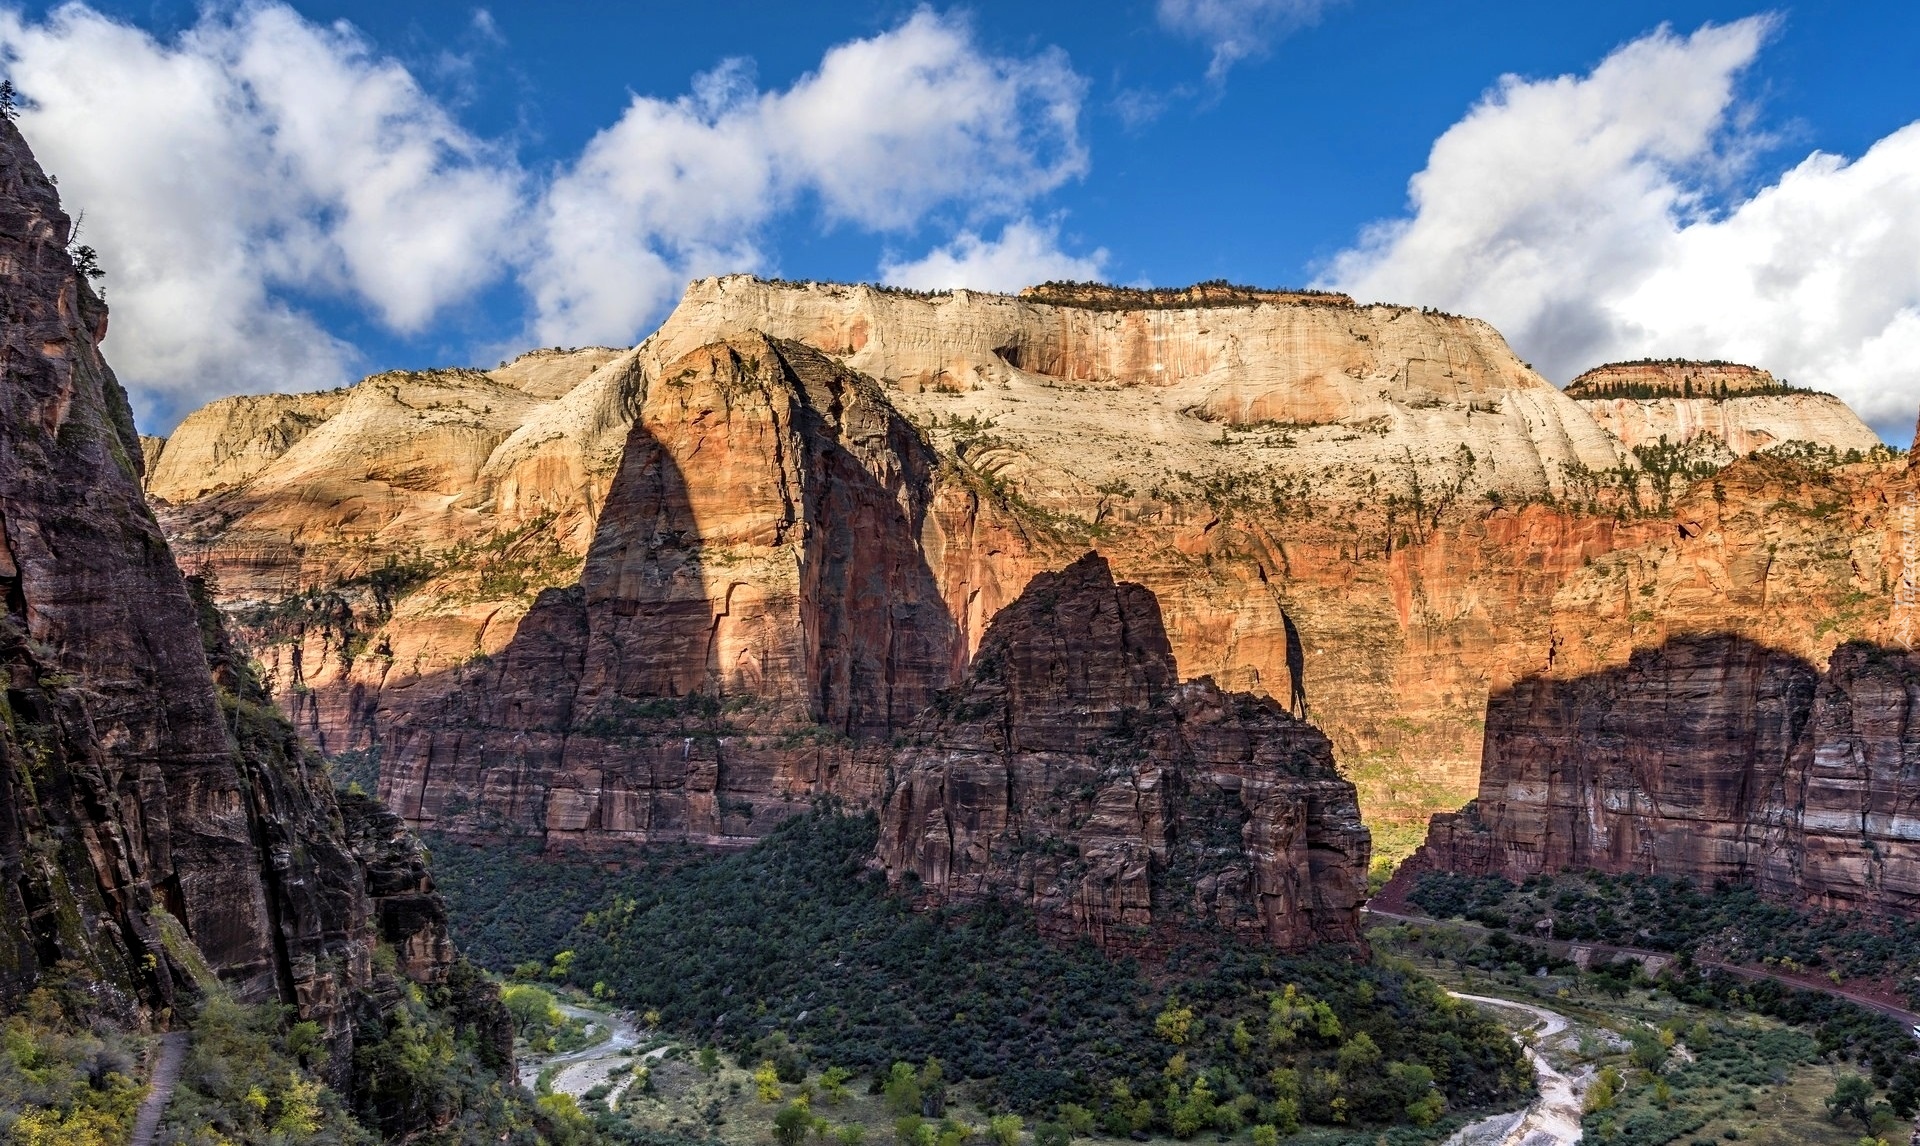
pixel 1074 772
pixel 154 827
pixel 757 604
pixel 1743 408
pixel 1708 758
pixel 1425 522
pixel 1673 378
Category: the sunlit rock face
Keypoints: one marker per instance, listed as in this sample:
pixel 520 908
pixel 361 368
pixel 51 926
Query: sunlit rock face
pixel 756 607
pixel 1377 508
pixel 1742 408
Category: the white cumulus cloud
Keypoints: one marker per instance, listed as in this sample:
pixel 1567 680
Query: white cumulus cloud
pixel 1575 213
pixel 252 161
pixel 253 179
pixel 1236 29
pixel 886 130
pixel 1026 253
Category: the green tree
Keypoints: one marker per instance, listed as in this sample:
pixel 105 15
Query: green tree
pixel 709 1060
pixel 571 1127
pixel 1076 1118
pixel 535 1015
pixel 1006 1129
pixel 933 1089
pixel 1851 1095
pixel 1292 1012
pixel 1601 1095
pixel 299 1107
pixel 1174 1023
pixel 1265 1135
pixel 1359 1054
pixel 306 1042
pixel 902 1090
pixel 852 1134
pixel 791 1125
pixel 1051 1134
pixel 833 1084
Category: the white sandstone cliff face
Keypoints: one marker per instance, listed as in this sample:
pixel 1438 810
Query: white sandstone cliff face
pixel 232 440
pixel 1744 423
pixel 1083 396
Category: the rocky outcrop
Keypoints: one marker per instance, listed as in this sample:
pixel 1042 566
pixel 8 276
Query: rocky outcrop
pixel 1708 758
pixel 154 826
pixel 1072 771
pixel 1673 378
pixel 1219 292
pixel 1740 425
pixel 231 440
pixel 1085 392
pixel 1743 407
pixel 756 605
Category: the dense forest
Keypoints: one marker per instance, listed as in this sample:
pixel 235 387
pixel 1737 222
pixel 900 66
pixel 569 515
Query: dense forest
pixel 795 952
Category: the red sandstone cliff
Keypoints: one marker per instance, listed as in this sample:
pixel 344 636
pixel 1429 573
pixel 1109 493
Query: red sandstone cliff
pixel 1073 771
pixel 1711 758
pixel 756 614
pixel 150 820
pixel 1381 507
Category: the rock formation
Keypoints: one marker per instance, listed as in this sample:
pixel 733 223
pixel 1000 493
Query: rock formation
pixel 1074 772
pixel 1710 758
pixel 1744 407
pixel 153 827
pixel 1673 378
pixel 1377 509
pixel 756 603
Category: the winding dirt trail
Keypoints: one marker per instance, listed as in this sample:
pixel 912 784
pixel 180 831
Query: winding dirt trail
pixel 166 1075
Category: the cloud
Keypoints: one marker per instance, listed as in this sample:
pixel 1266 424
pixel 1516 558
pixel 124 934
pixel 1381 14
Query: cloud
pixel 259 171
pixel 885 131
pixel 1582 216
pixel 1236 29
pixel 1025 253
pixel 253 161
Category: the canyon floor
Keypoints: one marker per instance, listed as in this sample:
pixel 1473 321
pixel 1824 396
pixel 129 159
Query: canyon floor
pixel 1746 1077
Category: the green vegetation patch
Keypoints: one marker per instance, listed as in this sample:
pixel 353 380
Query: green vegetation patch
pixel 794 952
pixel 1661 914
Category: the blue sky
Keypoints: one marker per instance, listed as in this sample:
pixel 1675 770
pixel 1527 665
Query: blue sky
pixel 1162 141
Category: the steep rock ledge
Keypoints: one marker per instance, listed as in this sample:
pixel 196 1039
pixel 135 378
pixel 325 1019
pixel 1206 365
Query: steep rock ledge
pixel 1744 407
pixel 1073 772
pixel 756 604
pixel 154 825
pixel 1710 758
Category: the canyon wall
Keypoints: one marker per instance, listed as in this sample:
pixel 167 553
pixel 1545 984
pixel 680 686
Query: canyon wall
pixel 155 827
pixel 1710 758
pixel 1377 508
pixel 755 616
pixel 1073 771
